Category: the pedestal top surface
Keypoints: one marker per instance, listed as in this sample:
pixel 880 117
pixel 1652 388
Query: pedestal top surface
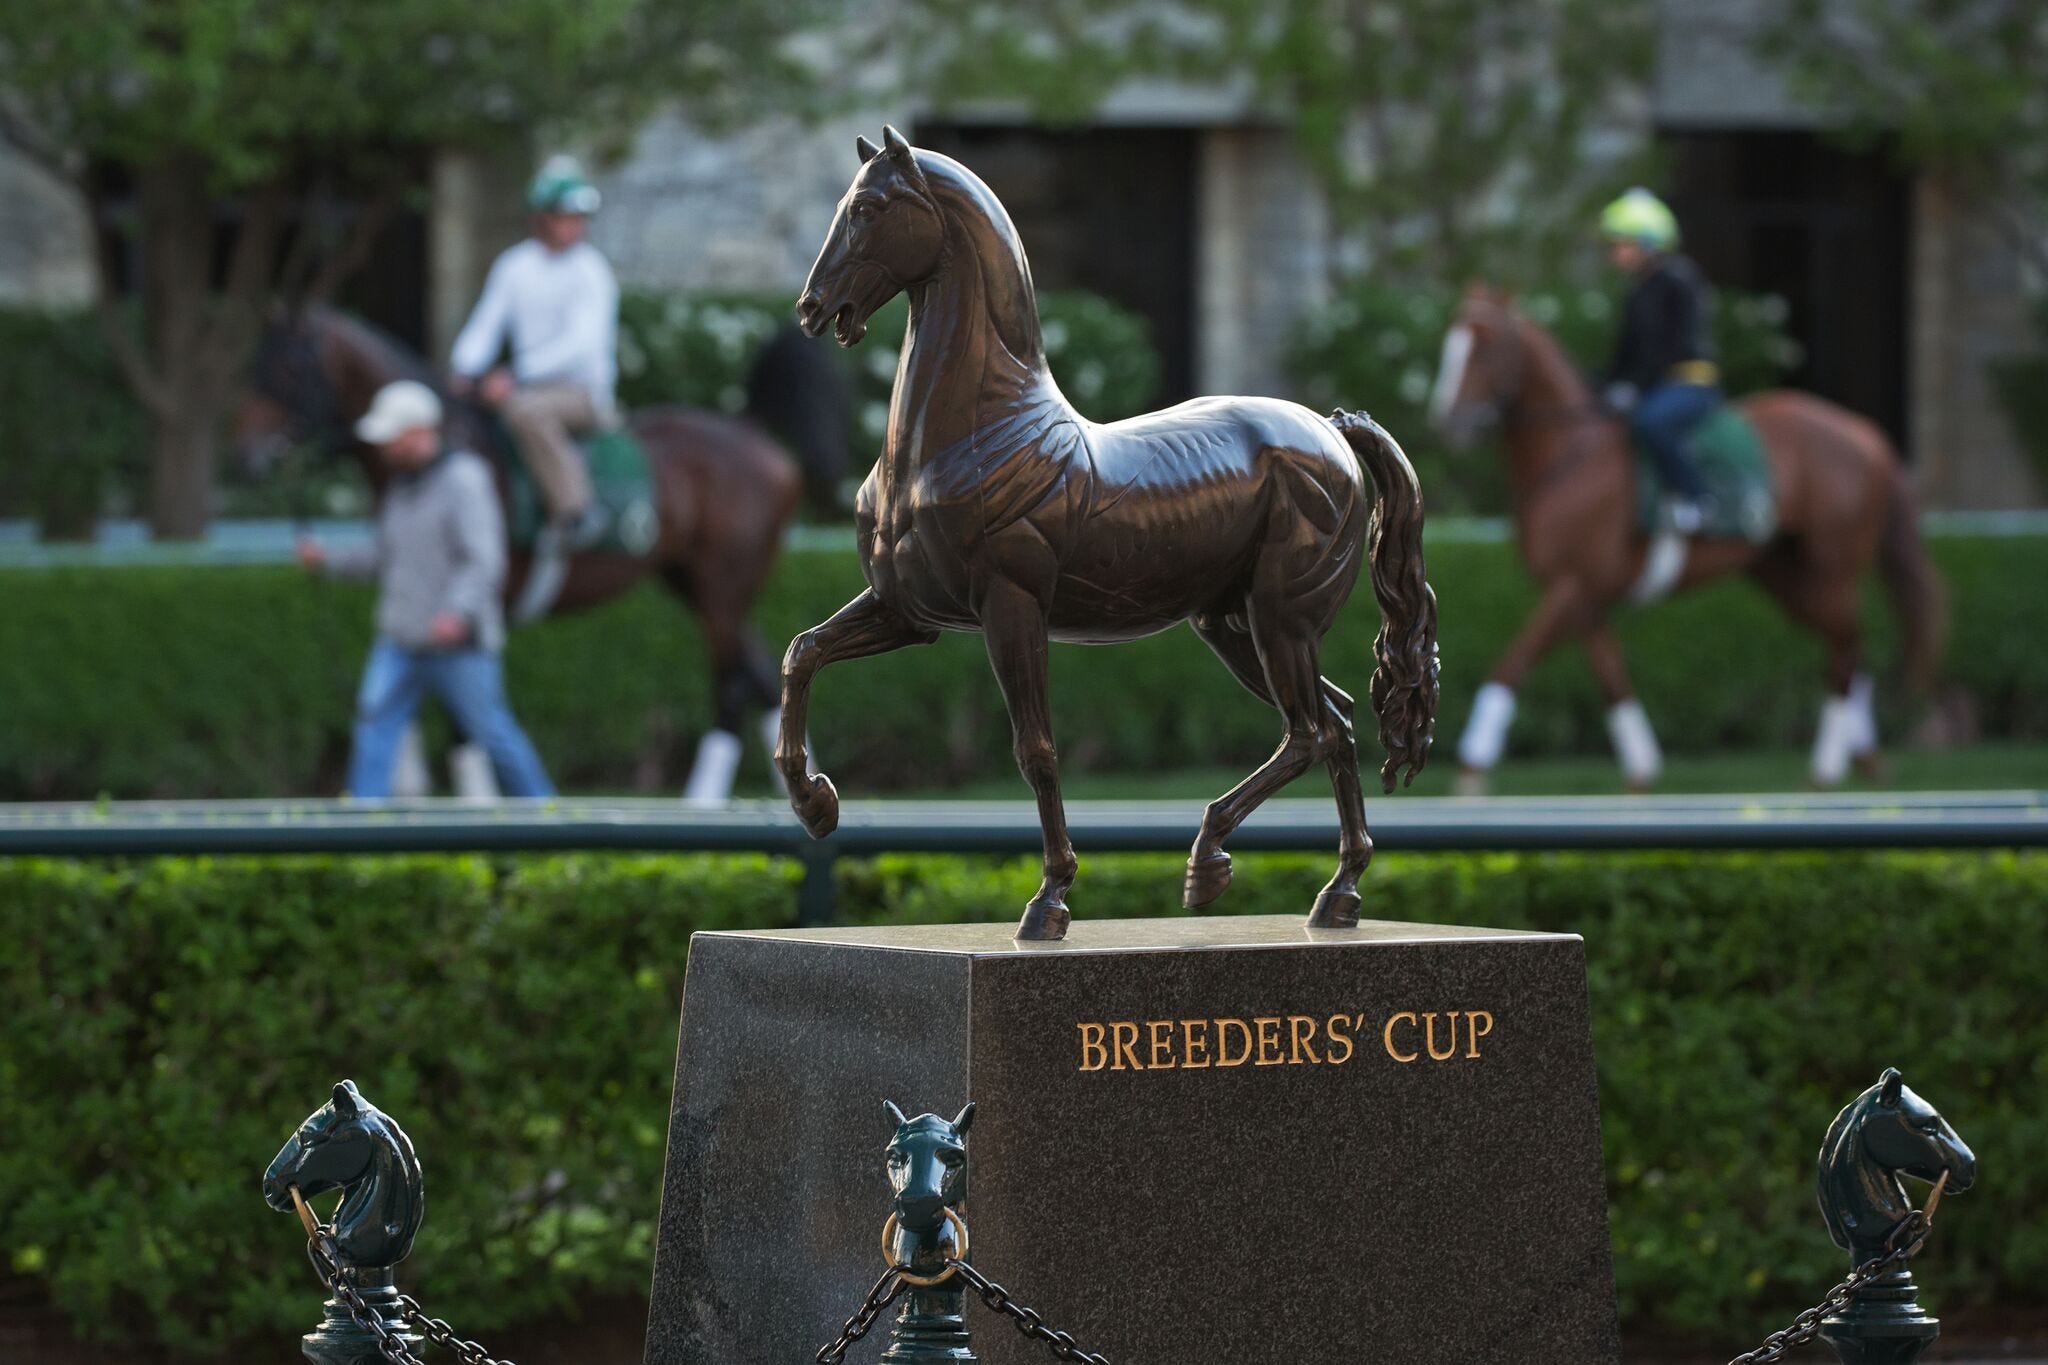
pixel 1164 934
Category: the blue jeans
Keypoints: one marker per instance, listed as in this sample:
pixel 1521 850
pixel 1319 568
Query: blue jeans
pixel 1664 419
pixel 470 683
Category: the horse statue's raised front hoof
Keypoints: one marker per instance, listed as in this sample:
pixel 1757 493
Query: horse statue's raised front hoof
pixel 1335 909
pixel 1045 921
pixel 1208 877
pixel 816 802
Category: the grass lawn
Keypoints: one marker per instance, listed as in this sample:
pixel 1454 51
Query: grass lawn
pixel 1983 767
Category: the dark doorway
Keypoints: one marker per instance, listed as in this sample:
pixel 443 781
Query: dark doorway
pixel 1110 210
pixel 1796 215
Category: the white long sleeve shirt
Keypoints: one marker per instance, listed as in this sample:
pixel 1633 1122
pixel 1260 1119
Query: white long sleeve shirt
pixel 562 311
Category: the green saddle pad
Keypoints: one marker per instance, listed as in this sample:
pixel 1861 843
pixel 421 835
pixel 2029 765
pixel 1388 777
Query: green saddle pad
pixel 618 476
pixel 1740 501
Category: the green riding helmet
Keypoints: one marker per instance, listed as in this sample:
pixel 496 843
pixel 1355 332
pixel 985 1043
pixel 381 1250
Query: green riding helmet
pixel 560 186
pixel 1640 216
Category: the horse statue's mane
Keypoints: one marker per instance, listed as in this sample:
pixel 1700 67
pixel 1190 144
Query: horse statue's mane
pixel 999 250
pixel 1847 1177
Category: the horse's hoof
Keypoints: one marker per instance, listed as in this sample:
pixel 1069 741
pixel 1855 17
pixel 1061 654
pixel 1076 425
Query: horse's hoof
pixel 1208 876
pixel 1470 782
pixel 1044 922
pixel 1334 910
pixel 816 803
pixel 1870 766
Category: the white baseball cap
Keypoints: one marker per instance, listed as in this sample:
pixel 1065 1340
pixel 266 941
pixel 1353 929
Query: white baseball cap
pixel 399 407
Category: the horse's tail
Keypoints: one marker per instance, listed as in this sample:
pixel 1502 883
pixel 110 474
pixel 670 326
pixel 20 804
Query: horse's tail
pixel 1917 592
pixel 1404 679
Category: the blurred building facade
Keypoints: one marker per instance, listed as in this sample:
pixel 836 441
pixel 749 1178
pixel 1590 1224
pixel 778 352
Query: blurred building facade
pixel 1192 207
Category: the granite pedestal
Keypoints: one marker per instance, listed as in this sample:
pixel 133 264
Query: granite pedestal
pixel 1198 1139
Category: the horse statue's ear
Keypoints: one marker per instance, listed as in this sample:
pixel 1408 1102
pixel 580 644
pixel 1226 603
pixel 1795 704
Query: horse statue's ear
pixel 1889 1087
pixel 961 1123
pixel 868 150
pixel 894 1112
pixel 893 143
pixel 348 1101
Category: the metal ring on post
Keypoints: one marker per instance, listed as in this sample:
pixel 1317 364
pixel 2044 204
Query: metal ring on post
pixel 889 1228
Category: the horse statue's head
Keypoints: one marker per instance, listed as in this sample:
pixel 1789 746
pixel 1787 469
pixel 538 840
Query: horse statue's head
pixel 928 1170
pixel 887 236
pixel 1886 1132
pixel 348 1144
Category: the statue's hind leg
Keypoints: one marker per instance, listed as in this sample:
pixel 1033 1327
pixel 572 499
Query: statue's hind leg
pixel 1337 905
pixel 1278 667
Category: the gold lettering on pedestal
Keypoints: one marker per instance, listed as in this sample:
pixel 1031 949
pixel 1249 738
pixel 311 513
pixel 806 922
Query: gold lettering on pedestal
pixel 1223 1057
pixel 1092 1046
pixel 1304 1030
pixel 1387 1035
pixel 1429 1036
pixel 1406 1036
pixel 1162 1048
pixel 1123 1043
pixel 1337 1028
pixel 1269 1043
pixel 1474 1032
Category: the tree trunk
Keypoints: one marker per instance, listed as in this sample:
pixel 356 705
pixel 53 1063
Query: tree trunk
pixel 176 227
pixel 181 462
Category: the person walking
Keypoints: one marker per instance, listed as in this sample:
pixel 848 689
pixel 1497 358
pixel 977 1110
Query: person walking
pixel 439 562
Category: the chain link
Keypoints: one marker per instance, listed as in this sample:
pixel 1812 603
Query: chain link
pixel 1062 1344
pixel 1905 1242
pixel 881 1296
pixel 327 1266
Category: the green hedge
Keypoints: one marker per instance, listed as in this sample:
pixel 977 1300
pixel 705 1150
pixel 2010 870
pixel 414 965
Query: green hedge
pixel 169 1021
pixel 237 681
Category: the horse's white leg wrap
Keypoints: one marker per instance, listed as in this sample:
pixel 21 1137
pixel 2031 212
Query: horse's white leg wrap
pixel 1486 729
pixel 409 776
pixel 1834 742
pixel 476 781
pixel 718 759
pixel 1862 690
pixel 1635 743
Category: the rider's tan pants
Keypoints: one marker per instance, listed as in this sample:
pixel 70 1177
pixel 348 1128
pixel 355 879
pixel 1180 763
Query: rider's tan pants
pixel 542 420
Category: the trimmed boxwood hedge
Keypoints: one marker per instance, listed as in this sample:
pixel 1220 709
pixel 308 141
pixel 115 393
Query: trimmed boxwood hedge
pixel 169 1020
pixel 158 681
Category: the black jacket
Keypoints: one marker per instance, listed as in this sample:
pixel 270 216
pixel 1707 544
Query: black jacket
pixel 1665 321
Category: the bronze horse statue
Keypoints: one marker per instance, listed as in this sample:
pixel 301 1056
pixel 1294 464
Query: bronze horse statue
pixel 723 490
pixel 996 507
pixel 1844 503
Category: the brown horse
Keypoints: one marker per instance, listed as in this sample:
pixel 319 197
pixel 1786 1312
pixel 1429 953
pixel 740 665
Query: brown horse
pixel 723 494
pixel 995 507
pixel 1844 503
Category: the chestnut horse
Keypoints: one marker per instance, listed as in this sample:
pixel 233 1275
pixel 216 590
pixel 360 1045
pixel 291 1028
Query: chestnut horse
pixel 996 507
pixel 1844 504
pixel 723 494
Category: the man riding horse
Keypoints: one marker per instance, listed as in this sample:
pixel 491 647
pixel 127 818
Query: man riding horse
pixel 555 297
pixel 1662 378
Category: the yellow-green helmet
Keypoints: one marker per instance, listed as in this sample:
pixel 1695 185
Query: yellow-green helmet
pixel 1640 216
pixel 560 186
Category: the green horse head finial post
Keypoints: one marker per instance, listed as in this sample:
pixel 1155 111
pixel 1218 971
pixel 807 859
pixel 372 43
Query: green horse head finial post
pixel 1886 1132
pixel 928 1168
pixel 348 1144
